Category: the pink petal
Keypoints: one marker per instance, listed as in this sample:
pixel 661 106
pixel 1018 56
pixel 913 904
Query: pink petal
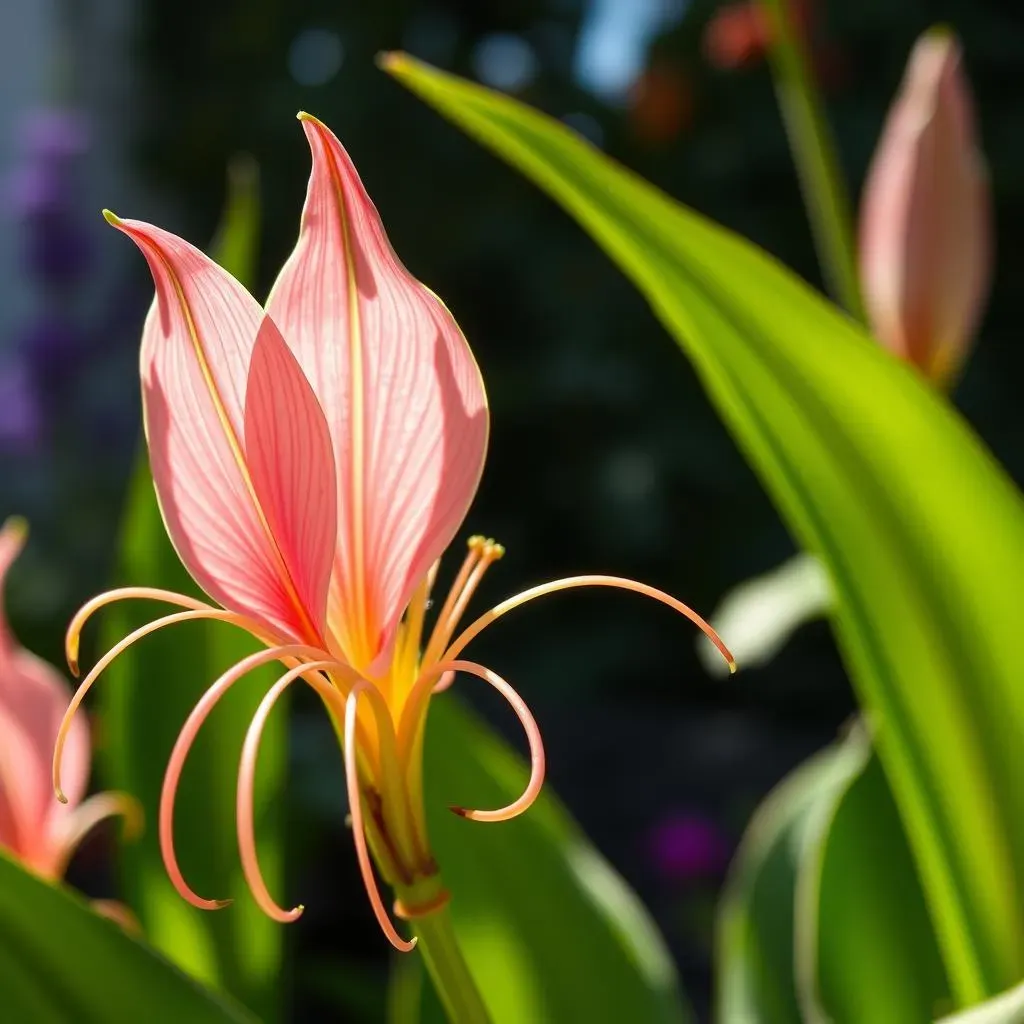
pixel 197 345
pixel 291 464
pixel 401 391
pixel 33 697
pixel 925 245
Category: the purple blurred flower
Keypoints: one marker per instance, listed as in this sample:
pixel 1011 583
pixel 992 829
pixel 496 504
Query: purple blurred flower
pixel 42 192
pixel 52 349
pixel 21 420
pixel 688 846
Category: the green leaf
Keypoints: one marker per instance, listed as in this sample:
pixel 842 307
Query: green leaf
pixel 823 917
pixel 866 948
pixel 757 617
pixel 920 530
pixel 550 931
pixel 1007 1008
pixel 757 925
pixel 147 695
pixel 60 962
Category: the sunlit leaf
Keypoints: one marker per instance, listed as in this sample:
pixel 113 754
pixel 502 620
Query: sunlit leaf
pixel 61 962
pixel 756 942
pixel 757 617
pixel 866 950
pixel 823 917
pixel 550 931
pixel 920 530
pixel 1007 1008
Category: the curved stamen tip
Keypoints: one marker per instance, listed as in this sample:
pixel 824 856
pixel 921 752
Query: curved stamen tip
pixel 462 812
pixel 217 904
pixel 287 917
pixel 59 794
pixel 732 666
pixel 71 653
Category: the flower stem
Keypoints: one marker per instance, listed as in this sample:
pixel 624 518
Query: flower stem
pixel 448 970
pixel 824 191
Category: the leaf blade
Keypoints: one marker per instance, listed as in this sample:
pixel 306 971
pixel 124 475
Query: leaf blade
pixel 922 532
pixel 59 961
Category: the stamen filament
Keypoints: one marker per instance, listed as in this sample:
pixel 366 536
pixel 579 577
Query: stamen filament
pixel 490 552
pixel 437 641
pixel 394 796
pixel 86 612
pixel 88 814
pixel 247 786
pixel 205 612
pixel 475 628
pixel 416 707
pixel 183 744
pixel 358 827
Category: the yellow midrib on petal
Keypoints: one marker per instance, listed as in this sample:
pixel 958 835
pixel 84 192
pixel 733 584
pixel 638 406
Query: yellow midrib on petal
pixel 358 597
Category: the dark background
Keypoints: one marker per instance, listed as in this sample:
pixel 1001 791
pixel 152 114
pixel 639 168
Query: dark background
pixel 605 455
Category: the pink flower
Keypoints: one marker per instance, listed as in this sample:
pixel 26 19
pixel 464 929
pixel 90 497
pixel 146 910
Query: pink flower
pixel 313 460
pixel 37 830
pixel 925 231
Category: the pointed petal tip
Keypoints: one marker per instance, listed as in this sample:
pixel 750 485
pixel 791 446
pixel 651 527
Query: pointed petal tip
pixel 16 528
pixel 306 117
pixel 942 32
pixel 112 218
pixel 733 667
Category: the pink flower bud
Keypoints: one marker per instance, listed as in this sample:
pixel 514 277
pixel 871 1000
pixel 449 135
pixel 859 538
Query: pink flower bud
pixel 925 234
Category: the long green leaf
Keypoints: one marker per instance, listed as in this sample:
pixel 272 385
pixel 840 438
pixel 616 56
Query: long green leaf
pixel 823 917
pixel 757 925
pixel 865 947
pixel 61 962
pixel 920 530
pixel 1007 1008
pixel 148 693
pixel 550 931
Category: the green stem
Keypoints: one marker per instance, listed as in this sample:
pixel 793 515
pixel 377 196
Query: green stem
pixel 828 206
pixel 448 969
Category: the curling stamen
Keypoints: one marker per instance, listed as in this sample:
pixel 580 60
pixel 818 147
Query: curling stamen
pixel 475 628
pixel 358 827
pixel 182 746
pixel 207 612
pixel 246 793
pixel 416 706
pixel 86 612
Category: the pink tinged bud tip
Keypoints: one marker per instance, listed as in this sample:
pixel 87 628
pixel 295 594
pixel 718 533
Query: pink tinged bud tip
pixel 925 226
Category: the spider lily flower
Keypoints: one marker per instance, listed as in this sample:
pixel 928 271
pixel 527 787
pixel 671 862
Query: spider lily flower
pixel 313 460
pixel 925 230
pixel 39 832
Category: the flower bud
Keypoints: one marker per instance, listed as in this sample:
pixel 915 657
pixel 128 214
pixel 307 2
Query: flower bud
pixel 925 233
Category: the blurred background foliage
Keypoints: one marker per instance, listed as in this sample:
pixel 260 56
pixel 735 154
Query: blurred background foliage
pixel 605 455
